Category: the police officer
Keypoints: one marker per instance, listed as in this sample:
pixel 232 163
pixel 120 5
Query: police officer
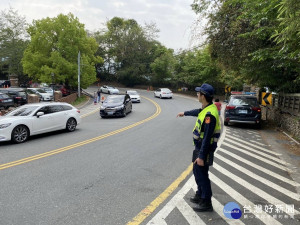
pixel 205 136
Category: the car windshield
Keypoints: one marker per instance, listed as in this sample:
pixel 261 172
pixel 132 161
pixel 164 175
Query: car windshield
pixel 114 99
pixel 29 91
pixel 236 101
pixel 132 92
pixel 110 88
pixel 23 111
pixel 22 93
pixel 41 91
pixel 4 96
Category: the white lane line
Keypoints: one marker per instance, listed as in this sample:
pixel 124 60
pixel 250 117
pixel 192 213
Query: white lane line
pixel 159 218
pixel 189 214
pixel 241 199
pixel 261 144
pixel 261 179
pixel 257 157
pixel 254 146
pixel 255 190
pixel 266 171
pixel 218 208
pixel 276 159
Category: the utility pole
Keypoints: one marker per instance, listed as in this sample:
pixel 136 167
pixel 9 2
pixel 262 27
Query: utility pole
pixel 79 74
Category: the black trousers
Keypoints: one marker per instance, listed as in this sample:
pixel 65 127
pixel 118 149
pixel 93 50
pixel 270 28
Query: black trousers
pixel 202 181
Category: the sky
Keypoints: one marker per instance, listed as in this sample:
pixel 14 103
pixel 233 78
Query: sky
pixel 174 18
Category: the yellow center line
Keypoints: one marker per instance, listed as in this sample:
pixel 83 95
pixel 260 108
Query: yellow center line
pixel 160 199
pixel 63 149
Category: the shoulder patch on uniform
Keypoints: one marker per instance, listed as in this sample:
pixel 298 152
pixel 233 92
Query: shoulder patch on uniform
pixel 207 119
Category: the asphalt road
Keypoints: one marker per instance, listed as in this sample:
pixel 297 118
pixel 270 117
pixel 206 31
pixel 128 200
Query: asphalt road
pixel 104 181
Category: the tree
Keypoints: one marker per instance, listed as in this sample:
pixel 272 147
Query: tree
pixel 13 41
pixel 240 34
pixel 55 43
pixel 128 50
pixel 163 67
pixel 197 67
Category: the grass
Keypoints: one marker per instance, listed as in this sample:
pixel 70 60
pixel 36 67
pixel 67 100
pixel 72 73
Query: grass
pixel 80 100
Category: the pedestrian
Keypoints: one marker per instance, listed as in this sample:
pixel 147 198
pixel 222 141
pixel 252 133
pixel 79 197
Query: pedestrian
pixel 205 136
pixel 98 95
pixel 219 105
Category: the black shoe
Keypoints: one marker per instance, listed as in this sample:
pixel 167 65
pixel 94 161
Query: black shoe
pixel 204 207
pixel 196 199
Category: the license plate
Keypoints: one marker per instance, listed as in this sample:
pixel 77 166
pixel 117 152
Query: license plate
pixel 243 111
pixel 110 113
pixel 7 100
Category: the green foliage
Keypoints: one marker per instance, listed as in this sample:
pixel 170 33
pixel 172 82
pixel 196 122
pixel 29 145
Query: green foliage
pixel 55 43
pixel 242 35
pixel 13 41
pixel 128 50
pixel 197 67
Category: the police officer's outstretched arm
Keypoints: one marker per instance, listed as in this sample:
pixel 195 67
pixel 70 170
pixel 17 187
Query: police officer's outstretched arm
pixel 193 112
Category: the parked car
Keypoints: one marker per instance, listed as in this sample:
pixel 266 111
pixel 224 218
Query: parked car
pixel 18 94
pixel 242 109
pixel 44 95
pixel 48 90
pixel 31 92
pixel 63 89
pixel 116 105
pixel 37 118
pixel 109 90
pixel 134 95
pixel 163 93
pixel 6 101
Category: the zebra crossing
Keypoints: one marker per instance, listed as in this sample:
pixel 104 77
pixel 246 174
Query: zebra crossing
pixel 248 172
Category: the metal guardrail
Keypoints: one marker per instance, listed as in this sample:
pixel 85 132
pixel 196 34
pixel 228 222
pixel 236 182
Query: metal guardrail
pixel 289 103
pixel 87 94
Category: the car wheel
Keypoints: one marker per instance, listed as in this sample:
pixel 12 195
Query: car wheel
pixel 160 96
pixel 258 126
pixel 154 95
pixel 225 123
pixel 71 125
pixel 20 134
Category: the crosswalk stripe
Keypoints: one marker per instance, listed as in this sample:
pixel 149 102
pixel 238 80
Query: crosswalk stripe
pixel 218 208
pixel 189 214
pixel 241 199
pixel 269 172
pixel 254 146
pixel 166 210
pixel 256 141
pixel 259 178
pixel 251 187
pixel 257 157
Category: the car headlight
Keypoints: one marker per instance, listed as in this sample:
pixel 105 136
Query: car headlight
pixel 2 126
pixel 102 107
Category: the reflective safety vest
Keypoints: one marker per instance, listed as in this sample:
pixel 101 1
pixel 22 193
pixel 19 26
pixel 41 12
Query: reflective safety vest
pixel 198 133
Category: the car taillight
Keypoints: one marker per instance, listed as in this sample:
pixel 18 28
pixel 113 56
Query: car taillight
pixel 0 100
pixel 228 107
pixel 78 111
pixel 256 109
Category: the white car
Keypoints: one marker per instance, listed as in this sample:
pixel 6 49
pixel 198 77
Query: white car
pixel 37 118
pixel 163 93
pixel 45 96
pixel 135 97
pixel 109 90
